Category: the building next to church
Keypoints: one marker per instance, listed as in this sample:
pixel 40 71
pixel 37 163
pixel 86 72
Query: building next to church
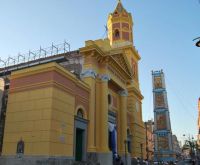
pixel 176 147
pixel 149 127
pixel 83 105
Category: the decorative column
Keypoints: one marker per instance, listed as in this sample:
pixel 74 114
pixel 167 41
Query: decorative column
pixel 89 77
pixel 122 118
pixel 103 113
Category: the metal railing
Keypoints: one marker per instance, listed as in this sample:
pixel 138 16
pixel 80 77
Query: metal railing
pixel 53 50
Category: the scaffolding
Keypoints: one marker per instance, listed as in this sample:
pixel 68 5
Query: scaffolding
pixel 31 56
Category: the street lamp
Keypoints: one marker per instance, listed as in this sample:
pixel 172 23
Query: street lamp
pixel 198 42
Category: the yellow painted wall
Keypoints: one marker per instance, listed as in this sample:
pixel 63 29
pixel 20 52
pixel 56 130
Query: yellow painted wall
pixel 62 123
pixel 43 117
pixel 28 117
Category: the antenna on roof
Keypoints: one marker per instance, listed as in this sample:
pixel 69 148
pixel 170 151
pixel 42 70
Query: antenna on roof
pixel 10 58
pixel 29 55
pixel 106 28
pixel 52 48
pixel 105 32
pixel 18 58
pixel 4 62
pixel 68 45
pixel 42 50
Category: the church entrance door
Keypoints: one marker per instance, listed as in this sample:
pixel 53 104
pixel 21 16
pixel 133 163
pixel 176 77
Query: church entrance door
pixel 80 139
pixel 79 144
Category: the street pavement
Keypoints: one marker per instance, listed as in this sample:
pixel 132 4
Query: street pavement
pixel 184 163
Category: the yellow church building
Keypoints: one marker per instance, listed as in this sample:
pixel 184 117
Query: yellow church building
pixel 56 114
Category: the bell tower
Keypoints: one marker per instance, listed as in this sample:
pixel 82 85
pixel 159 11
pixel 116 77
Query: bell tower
pixel 120 26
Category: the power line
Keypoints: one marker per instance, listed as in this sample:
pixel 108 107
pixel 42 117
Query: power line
pixel 185 108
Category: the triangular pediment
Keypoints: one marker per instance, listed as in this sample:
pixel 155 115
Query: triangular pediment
pixel 123 62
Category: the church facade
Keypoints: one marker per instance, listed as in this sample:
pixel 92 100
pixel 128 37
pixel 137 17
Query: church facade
pixel 93 115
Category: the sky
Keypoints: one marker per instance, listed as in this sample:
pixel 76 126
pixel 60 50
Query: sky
pixel 163 33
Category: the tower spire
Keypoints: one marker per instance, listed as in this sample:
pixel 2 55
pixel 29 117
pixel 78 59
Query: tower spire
pixel 120 25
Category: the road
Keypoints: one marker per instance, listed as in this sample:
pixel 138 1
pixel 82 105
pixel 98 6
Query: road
pixel 184 163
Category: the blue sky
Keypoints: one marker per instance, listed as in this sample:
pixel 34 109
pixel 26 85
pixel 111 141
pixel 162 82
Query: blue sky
pixel 163 34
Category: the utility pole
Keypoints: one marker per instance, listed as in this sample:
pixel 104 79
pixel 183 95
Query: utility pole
pixel 147 150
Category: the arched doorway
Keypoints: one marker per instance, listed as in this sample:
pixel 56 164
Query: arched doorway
pixel 80 131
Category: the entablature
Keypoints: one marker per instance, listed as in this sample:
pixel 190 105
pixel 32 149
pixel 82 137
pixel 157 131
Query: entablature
pixel 133 50
pixel 116 77
pixel 135 91
pixel 115 60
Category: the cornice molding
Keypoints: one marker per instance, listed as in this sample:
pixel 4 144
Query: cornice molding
pixel 123 93
pixel 135 91
pixel 88 73
pixel 103 77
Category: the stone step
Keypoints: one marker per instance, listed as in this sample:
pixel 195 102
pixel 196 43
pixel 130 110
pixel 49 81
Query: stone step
pixel 32 161
pixel 85 163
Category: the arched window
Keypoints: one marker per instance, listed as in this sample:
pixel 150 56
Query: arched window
pixel 109 99
pixel 80 113
pixel 117 34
